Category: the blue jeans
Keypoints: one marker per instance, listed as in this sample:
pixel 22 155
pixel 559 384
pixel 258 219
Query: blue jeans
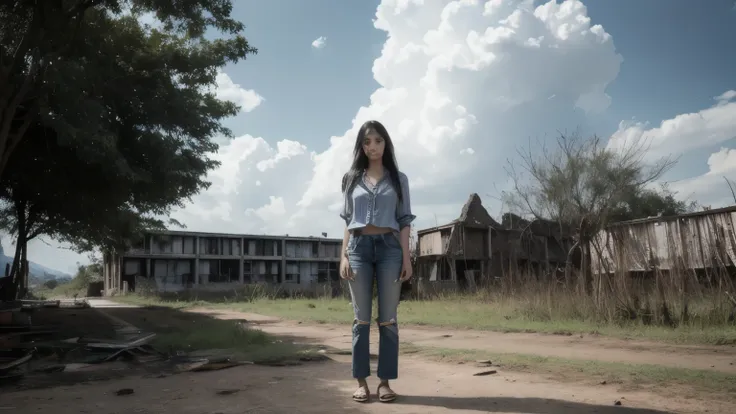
pixel 379 257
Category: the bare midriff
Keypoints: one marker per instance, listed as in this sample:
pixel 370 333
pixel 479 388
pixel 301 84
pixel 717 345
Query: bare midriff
pixel 371 229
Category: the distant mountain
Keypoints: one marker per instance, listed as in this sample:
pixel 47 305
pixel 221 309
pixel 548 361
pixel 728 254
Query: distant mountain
pixel 36 272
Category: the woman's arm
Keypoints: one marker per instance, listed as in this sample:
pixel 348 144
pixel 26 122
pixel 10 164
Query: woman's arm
pixel 345 238
pixel 346 214
pixel 404 238
pixel 405 217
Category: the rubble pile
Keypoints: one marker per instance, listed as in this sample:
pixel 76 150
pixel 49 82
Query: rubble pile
pixel 31 351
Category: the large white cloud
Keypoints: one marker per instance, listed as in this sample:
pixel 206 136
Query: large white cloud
pixel 461 83
pixel 712 126
pixel 685 132
pixel 712 188
pixel 246 99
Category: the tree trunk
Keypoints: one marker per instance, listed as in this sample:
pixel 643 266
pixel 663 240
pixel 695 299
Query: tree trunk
pixel 23 276
pixel 20 246
pixel 568 263
pixel 586 276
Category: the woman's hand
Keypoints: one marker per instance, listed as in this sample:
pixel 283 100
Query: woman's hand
pixel 406 270
pixel 346 273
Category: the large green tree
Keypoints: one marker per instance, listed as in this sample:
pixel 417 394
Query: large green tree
pixel 639 203
pixel 59 58
pixel 106 125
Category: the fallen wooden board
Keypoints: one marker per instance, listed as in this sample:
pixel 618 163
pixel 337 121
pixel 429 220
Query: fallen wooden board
pixel 113 344
pixel 16 362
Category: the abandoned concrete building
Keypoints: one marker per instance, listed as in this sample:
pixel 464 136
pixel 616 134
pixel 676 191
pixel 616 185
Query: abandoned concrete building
pixel 475 249
pixel 179 260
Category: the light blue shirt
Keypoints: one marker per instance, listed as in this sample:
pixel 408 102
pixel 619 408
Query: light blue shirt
pixel 379 206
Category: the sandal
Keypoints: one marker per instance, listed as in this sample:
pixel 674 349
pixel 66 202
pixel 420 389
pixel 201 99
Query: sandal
pixel 361 394
pixel 388 395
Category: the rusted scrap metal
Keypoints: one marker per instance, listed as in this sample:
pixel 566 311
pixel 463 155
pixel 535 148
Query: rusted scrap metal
pixel 12 316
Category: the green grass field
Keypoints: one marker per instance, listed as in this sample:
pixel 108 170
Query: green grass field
pixel 463 313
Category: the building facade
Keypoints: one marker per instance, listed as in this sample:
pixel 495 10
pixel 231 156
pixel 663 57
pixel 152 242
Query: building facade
pixel 179 260
pixel 689 242
pixel 457 254
pixel 475 248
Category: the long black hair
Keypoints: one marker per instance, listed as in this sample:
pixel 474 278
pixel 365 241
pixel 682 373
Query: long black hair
pixel 360 160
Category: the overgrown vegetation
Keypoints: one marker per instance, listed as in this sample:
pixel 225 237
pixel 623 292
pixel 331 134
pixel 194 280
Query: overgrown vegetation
pixel 584 187
pixel 106 124
pixel 192 332
pixel 78 286
pixel 531 308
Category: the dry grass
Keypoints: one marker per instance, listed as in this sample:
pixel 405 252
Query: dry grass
pixel 517 306
pixel 178 331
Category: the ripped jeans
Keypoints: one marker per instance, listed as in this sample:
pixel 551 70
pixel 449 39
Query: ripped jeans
pixel 379 257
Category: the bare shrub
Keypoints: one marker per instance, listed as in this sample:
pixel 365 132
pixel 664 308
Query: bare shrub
pixel 584 187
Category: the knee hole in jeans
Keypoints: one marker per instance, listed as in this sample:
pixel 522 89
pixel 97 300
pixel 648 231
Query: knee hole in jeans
pixel 391 321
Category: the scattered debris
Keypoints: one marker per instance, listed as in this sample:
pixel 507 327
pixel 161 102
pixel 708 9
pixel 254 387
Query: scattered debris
pixel 108 344
pixel 484 373
pixel 28 349
pixel 30 354
pixel 617 402
pixel 227 392
pixel 34 304
pixel 194 364
pixel 12 363
pixel 124 391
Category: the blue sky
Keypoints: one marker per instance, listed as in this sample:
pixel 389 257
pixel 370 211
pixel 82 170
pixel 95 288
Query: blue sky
pixel 676 59
pixel 656 60
pixel 310 94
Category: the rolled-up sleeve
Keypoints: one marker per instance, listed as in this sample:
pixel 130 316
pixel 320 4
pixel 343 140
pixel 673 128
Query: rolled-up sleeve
pixel 403 214
pixel 347 208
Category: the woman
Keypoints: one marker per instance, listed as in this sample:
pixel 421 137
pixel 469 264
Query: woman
pixel 377 214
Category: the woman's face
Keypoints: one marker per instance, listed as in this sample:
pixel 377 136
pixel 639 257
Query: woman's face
pixel 373 145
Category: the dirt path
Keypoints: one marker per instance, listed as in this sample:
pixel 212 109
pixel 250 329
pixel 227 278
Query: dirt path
pixel 598 348
pixel 325 388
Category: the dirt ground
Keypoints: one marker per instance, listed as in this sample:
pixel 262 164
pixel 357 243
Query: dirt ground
pixel 325 388
pixel 597 348
pixel 425 387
